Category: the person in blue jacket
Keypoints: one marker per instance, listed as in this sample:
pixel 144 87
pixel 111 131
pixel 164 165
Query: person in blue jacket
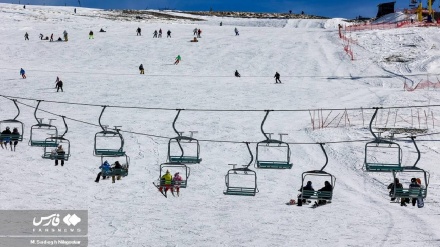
pixel 105 168
pixel 22 73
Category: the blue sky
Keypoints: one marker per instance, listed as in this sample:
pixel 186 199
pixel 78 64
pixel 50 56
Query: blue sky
pixel 330 8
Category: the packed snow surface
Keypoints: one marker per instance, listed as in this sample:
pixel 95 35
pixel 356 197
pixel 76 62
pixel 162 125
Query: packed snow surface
pixel 316 73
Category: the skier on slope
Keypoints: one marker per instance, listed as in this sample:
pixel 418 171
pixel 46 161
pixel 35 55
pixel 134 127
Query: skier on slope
pixel 178 58
pixel 277 78
pixel 155 34
pixel 138 32
pixel 22 73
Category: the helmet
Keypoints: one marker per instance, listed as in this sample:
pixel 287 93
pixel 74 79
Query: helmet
pixel 413 180
pixel 7 127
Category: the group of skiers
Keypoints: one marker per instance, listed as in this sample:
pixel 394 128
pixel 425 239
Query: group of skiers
pixel 168 182
pixel 415 183
pixel 158 34
pixel 197 32
pixel 7 136
pixel 106 168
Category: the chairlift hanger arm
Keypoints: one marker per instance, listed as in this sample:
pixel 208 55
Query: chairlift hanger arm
pixel 178 134
pixel 35 112
pixel 99 119
pixel 250 152
pixel 418 151
pixel 371 121
pixel 262 123
pixel 15 102
pixel 326 156
pixel 65 125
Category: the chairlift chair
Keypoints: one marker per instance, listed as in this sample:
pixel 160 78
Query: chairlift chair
pixel 12 123
pixel 186 141
pixel 50 152
pixel 318 195
pixel 40 129
pixel 245 172
pixel 274 163
pixel 380 143
pixel 116 172
pixel 114 136
pixel 183 169
pixel 413 192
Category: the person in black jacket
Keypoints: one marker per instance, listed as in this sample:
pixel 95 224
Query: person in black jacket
pixel 116 166
pixel 327 187
pixel 307 187
pixel 138 32
pixel 237 74
pixel 141 69
pixel 277 77
pixel 59 84
pixel 5 138
pixel 391 188
pixel 14 137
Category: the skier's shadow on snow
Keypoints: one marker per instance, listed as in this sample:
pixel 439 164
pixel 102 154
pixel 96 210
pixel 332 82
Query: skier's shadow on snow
pixel 11 79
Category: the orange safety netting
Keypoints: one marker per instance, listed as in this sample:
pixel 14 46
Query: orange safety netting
pixel 422 85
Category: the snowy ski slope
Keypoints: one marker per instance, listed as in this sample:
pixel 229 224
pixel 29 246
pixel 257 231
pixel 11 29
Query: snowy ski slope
pixel 316 73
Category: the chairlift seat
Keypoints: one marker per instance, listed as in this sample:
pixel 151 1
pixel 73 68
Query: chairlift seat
pixel 240 191
pixel 410 193
pixel 44 143
pixel 185 159
pixel 380 167
pixel 11 137
pixel 317 195
pixel 55 156
pixel 274 164
pixel 115 172
pixel 174 184
pixel 109 152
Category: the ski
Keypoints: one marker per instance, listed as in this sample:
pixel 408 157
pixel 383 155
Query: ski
pixel 157 187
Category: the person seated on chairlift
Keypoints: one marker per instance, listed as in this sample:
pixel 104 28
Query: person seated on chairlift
pixel 6 138
pixel 327 187
pixel 307 187
pixel 414 185
pixel 391 187
pixel 165 181
pixel 14 137
pixel 105 168
pixel 116 166
pixel 59 153
pixel 176 180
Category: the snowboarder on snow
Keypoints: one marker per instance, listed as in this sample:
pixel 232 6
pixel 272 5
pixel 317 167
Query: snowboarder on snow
pixel 138 32
pixel 195 31
pixel 277 77
pixel 22 73
pixel 141 69
pixel 237 74
pixel 236 32
pixel 26 36
pixel 41 36
pixel 65 35
pixel 155 34
pixel 91 34
pixel 168 34
pixel 160 33
pixel 51 38
pixel 178 58
pixel 199 32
